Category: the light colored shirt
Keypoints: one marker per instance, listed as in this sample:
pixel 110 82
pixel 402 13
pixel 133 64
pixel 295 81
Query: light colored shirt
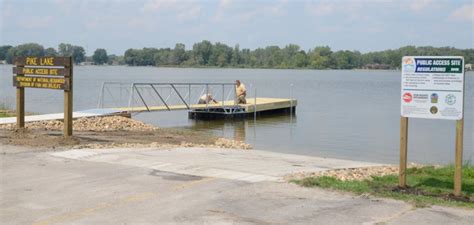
pixel 240 90
pixel 205 98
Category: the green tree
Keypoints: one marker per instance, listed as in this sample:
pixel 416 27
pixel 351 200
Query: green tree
pixel 300 60
pixel 100 56
pixel 220 55
pixel 320 57
pixel 115 60
pixel 202 52
pixel 130 57
pixel 65 49
pixel 163 57
pixel 28 49
pixel 50 52
pixel 178 55
pixel 3 51
pixel 236 58
pixel 77 52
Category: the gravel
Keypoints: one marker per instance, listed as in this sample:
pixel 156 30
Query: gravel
pixel 110 123
pixel 102 125
pixel 364 173
pixel 219 143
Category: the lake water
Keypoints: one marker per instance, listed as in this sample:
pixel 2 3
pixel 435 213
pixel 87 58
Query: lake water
pixel 341 114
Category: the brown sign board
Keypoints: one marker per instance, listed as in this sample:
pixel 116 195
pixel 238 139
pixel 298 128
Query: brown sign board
pixel 47 73
pixel 45 61
pixel 42 82
pixel 41 71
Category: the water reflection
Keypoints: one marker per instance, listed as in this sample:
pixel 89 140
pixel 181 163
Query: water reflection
pixel 244 129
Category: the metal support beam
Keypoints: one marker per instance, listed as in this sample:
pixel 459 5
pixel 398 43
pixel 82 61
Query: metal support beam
pixel 161 98
pixel 179 95
pixel 141 97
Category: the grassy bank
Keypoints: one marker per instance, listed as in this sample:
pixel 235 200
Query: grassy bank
pixel 6 113
pixel 426 186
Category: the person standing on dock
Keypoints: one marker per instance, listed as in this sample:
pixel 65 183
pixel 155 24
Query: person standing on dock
pixel 241 92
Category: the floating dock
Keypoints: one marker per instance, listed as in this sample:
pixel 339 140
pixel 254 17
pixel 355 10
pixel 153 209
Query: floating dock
pixel 226 109
pixel 259 106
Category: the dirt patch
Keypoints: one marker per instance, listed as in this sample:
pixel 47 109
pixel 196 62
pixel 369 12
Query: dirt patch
pixel 417 191
pixel 109 132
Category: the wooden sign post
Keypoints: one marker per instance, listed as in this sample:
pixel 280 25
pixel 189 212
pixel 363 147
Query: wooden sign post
pixel 44 72
pixel 458 157
pixel 403 151
pixel 432 87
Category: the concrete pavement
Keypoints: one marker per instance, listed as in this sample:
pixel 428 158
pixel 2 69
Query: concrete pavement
pixel 244 165
pixel 129 187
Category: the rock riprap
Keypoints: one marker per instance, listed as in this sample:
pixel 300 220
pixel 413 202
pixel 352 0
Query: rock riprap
pixel 363 173
pixel 109 123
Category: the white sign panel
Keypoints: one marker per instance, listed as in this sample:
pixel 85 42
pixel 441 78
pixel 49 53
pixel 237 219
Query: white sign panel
pixel 432 87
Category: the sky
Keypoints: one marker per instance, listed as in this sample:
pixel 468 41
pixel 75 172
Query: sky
pixel 117 25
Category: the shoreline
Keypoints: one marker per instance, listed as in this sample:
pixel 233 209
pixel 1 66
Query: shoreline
pixel 237 68
pixel 108 132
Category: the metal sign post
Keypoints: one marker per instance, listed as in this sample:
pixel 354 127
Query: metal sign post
pixel 432 87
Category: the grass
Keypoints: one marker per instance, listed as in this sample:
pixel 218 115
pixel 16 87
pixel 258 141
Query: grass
pixel 4 112
pixel 426 186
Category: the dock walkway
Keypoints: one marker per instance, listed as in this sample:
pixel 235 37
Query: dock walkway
pixel 262 104
pixel 60 116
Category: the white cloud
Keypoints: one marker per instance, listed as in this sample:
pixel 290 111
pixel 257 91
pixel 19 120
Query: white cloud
pixel 35 22
pixel 352 8
pixel 244 11
pixel 189 14
pixel 184 10
pixel 223 6
pixel 320 8
pixel 419 5
pixel 464 13
pixel 156 5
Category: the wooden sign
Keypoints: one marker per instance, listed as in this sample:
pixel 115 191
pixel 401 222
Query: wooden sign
pixel 43 61
pixel 43 72
pixel 41 82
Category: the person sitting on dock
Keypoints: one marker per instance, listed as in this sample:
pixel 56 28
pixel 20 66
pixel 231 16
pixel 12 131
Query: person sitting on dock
pixel 241 92
pixel 206 99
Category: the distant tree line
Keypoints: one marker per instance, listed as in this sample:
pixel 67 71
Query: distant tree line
pixel 8 53
pixel 207 54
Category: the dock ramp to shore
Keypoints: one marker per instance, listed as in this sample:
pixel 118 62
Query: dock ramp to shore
pixel 60 116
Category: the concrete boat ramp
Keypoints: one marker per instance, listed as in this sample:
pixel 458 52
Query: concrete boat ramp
pixel 241 165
